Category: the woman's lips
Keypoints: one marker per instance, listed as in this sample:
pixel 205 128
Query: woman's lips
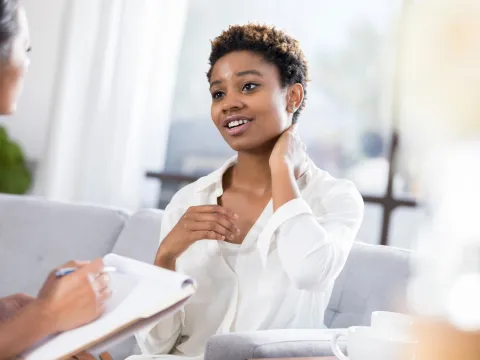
pixel 238 130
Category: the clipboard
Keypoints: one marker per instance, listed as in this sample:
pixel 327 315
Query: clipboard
pixel 142 295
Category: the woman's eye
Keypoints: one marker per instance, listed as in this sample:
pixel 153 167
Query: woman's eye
pixel 249 87
pixel 217 95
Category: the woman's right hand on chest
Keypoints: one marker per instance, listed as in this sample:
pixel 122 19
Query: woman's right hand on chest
pixel 205 222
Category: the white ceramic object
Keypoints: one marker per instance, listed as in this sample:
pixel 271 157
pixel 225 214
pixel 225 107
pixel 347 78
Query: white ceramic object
pixel 363 343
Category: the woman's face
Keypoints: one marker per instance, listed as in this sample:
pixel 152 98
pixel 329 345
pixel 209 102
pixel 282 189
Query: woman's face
pixel 249 106
pixel 14 67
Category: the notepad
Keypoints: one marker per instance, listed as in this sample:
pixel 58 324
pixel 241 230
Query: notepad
pixel 143 294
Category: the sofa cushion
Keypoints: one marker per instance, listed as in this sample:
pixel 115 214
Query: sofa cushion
pixel 374 278
pixel 37 235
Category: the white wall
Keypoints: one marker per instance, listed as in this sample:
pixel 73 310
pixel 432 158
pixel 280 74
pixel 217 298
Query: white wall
pixel 30 124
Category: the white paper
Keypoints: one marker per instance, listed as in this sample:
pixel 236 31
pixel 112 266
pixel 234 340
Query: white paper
pixel 140 292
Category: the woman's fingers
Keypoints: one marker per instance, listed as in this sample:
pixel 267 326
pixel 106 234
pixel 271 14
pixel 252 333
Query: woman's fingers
pixel 105 294
pixel 99 282
pixel 207 226
pixel 214 222
pixel 212 209
pixel 103 281
pixel 206 235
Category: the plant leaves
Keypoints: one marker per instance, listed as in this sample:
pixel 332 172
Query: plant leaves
pixel 15 177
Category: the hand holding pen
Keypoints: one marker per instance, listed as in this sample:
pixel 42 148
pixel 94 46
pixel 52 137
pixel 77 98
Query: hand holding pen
pixel 64 271
pixel 75 294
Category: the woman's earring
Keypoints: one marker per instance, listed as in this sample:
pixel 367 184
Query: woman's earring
pixel 294 109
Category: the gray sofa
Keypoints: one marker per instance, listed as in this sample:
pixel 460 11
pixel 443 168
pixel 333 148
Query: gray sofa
pixel 36 235
pixel 374 278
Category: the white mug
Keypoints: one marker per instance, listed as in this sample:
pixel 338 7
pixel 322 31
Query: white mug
pixel 363 343
pixel 393 325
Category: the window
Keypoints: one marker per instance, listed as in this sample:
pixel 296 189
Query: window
pixel 347 121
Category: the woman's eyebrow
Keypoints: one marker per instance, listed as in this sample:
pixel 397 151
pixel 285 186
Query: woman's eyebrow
pixel 249 72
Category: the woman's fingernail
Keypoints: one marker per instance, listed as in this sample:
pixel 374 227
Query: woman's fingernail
pixel 237 230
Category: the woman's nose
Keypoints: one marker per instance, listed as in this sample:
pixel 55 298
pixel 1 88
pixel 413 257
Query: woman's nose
pixel 231 102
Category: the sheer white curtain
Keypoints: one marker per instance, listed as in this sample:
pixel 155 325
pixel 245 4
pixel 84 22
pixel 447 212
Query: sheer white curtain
pixel 111 112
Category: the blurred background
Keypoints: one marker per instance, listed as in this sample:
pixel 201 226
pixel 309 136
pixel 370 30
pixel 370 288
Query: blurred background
pixel 116 108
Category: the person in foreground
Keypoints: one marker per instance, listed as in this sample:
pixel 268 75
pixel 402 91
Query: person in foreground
pixel 266 235
pixel 65 303
pixel 62 304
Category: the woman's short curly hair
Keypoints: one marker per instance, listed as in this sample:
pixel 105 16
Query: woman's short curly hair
pixel 273 44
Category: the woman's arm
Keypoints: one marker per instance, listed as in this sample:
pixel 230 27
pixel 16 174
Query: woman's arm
pixel 284 186
pixel 12 304
pixel 17 333
pixel 287 163
pixel 62 304
pixel 313 241
pixel 27 327
pixel 182 225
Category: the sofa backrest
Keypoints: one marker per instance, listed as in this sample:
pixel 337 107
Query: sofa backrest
pixel 140 237
pixel 374 278
pixel 37 235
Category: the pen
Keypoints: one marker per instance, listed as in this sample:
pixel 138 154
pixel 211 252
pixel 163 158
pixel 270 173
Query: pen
pixel 65 271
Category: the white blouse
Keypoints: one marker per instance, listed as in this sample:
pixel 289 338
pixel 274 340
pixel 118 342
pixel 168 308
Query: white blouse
pixel 280 277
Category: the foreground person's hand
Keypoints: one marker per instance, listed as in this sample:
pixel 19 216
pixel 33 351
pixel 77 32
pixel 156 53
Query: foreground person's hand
pixel 75 299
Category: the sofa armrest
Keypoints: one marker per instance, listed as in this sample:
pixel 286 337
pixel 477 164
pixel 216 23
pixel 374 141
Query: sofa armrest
pixel 271 344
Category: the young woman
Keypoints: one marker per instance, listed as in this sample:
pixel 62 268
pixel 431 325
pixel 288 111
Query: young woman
pixel 65 303
pixel 266 235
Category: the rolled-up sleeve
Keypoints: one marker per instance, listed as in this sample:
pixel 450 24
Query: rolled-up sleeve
pixel 314 240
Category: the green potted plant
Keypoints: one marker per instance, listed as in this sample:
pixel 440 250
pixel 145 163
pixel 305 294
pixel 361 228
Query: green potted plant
pixel 15 177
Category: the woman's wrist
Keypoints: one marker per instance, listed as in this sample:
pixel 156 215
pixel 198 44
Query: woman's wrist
pixel 165 258
pixel 284 185
pixel 281 168
pixel 45 316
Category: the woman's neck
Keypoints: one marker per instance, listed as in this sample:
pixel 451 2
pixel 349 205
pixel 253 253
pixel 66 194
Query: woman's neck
pixel 252 171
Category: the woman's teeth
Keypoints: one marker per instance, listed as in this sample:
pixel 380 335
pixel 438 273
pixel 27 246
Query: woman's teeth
pixel 236 123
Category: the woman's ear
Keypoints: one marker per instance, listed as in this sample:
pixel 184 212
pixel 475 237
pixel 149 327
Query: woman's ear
pixel 294 97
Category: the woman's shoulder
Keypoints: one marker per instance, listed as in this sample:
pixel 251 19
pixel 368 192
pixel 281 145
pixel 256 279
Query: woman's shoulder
pixel 325 193
pixel 321 183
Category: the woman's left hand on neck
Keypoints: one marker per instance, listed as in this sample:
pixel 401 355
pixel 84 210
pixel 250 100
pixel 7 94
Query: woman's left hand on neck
pixel 289 153
pixel 288 162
